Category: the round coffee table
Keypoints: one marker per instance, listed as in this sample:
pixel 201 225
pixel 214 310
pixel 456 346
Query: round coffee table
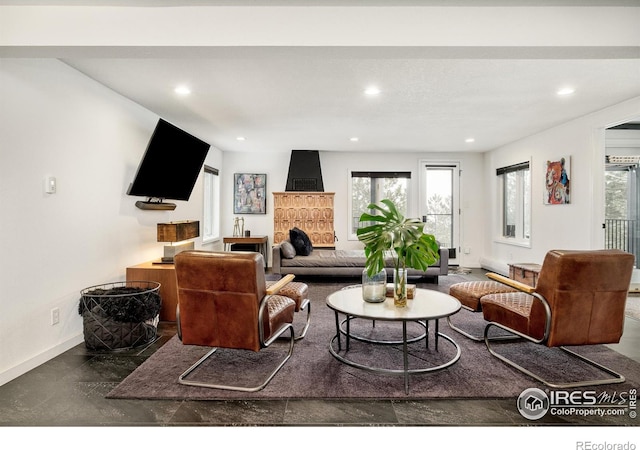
pixel 426 305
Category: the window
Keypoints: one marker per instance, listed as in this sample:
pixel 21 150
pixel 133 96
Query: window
pixel 515 193
pixel 211 214
pixel 371 187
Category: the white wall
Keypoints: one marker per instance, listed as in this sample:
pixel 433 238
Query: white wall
pixel 622 142
pixel 577 225
pixel 56 121
pixel 336 168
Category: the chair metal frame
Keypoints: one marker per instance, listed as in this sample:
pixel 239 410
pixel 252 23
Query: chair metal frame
pixel 475 338
pixel 617 378
pixel 263 344
pixel 305 304
pixel 272 290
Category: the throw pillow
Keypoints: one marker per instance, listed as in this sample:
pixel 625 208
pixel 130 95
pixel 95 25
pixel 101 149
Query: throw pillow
pixel 300 241
pixel 286 250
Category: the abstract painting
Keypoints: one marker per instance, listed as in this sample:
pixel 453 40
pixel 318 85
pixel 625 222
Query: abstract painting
pixel 249 196
pixel 557 181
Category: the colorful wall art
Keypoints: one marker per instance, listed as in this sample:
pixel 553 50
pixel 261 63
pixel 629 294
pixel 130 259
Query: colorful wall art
pixel 250 193
pixel 557 182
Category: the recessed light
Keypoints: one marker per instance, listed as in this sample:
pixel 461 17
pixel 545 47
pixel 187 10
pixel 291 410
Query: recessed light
pixel 354 139
pixel 372 90
pixel 469 140
pixel 565 91
pixel 182 90
pixel 241 138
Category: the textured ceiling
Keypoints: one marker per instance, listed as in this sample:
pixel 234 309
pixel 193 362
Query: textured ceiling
pixel 293 77
pixel 299 101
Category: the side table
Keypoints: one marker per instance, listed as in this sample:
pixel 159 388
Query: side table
pixel 165 274
pixel 260 242
pixel 526 273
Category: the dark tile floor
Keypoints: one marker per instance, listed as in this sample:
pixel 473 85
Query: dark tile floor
pixel 70 389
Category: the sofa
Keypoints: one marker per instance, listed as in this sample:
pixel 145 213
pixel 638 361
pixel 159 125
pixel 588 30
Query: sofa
pixel 349 263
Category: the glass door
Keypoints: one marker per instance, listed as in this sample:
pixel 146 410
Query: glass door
pixel 439 200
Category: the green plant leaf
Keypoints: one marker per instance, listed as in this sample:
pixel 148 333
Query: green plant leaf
pixel 392 233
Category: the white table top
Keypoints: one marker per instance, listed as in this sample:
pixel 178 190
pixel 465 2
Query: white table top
pixel 426 305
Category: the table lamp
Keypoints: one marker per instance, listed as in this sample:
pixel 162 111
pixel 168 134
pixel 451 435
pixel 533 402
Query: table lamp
pixel 179 235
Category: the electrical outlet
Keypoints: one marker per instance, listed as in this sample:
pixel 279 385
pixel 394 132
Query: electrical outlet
pixel 50 185
pixel 55 316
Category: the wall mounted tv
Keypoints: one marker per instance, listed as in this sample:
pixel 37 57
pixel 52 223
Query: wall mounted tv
pixel 169 168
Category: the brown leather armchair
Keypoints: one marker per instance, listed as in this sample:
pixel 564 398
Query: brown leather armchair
pixel 579 299
pixel 223 302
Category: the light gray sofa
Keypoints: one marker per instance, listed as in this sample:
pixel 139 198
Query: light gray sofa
pixel 344 263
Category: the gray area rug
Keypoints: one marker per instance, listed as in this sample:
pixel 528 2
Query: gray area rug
pixel 312 372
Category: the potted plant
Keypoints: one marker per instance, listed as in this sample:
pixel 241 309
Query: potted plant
pixel 389 232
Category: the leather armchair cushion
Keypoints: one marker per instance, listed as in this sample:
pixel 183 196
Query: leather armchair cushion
pixel 295 290
pixel 512 310
pixel 469 293
pixel 280 311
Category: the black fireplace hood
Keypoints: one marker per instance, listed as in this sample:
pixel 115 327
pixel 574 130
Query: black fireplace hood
pixel 305 173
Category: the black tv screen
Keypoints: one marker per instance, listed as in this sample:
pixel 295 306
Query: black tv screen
pixel 171 164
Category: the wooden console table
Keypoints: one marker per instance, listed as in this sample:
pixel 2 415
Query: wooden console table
pixel 165 274
pixel 260 242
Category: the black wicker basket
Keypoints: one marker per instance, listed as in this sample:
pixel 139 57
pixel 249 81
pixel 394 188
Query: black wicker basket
pixel 120 315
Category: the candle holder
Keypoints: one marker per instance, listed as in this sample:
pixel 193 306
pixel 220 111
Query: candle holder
pixel 374 287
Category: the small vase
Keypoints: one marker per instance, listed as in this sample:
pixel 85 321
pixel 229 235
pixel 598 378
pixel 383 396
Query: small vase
pixel 374 288
pixel 400 287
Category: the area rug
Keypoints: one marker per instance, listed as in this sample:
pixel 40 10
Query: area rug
pixel 312 372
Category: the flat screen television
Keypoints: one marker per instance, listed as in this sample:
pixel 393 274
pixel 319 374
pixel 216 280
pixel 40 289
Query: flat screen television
pixel 169 168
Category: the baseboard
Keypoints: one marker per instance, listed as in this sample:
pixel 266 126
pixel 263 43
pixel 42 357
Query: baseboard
pixel 39 359
pixel 494 265
pixel 634 287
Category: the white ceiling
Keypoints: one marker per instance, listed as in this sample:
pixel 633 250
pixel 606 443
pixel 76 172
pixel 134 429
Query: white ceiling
pixel 300 102
pixel 283 97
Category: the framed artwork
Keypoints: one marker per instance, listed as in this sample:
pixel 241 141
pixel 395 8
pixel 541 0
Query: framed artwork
pixel 249 194
pixel 557 181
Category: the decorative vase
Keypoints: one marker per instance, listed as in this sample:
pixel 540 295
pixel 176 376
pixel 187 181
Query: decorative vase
pixel 374 288
pixel 400 287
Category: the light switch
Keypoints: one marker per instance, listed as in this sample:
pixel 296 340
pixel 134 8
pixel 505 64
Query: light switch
pixel 50 185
